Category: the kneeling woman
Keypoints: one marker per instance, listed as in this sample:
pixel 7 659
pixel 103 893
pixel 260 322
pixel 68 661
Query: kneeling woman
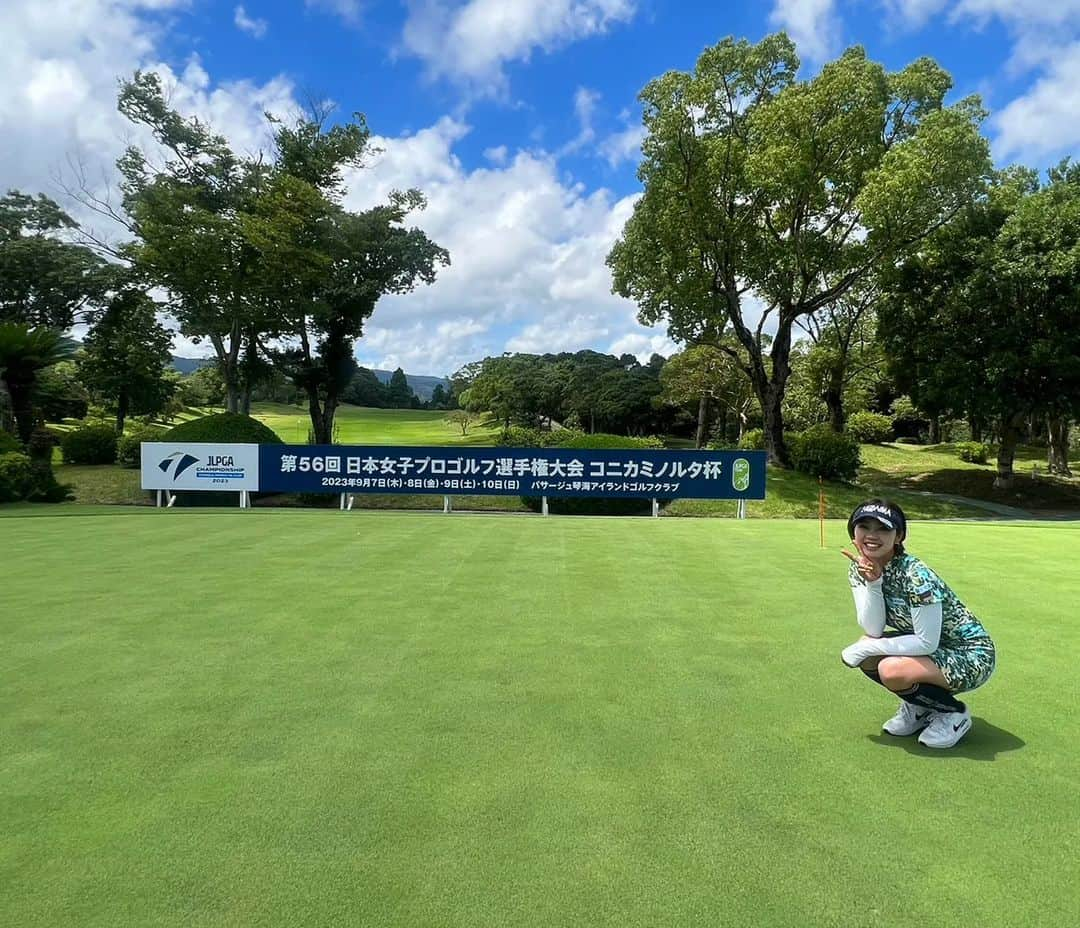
pixel 936 648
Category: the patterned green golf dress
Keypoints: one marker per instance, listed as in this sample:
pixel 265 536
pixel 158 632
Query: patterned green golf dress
pixel 965 652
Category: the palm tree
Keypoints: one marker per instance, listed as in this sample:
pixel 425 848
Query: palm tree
pixel 24 351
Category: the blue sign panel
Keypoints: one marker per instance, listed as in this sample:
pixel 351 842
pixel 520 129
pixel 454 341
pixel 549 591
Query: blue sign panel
pixel 512 471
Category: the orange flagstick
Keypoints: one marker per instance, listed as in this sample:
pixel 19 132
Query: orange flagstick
pixel 821 510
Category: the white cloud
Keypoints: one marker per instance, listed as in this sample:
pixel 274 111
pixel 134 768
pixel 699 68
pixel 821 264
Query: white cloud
pixel 255 27
pixel 496 155
pixel 58 86
pixel 528 252
pixel 812 24
pixel 470 42
pixel 585 101
pixel 622 146
pixel 573 333
pixel 1045 121
pixel 1022 14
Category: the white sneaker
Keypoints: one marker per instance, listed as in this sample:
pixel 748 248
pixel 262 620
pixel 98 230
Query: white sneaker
pixel 909 719
pixel 945 729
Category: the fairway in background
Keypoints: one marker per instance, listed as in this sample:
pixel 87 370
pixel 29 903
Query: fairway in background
pixel 361 425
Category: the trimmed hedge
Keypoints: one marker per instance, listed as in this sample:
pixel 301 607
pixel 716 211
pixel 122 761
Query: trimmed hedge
pixel 821 452
pixel 128 449
pixel 518 437
pixel 16 476
pixel 223 427
pixel 91 444
pixel 602 440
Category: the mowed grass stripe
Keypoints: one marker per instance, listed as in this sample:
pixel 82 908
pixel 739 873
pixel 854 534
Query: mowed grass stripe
pixel 312 718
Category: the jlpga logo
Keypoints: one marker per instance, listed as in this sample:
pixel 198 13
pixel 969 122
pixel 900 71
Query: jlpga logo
pixel 179 462
pixel 199 466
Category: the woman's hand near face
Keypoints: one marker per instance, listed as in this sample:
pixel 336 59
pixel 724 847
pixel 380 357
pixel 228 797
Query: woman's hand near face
pixel 869 570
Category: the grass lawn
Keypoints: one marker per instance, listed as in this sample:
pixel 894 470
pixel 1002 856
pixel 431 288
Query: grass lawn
pixel 312 718
pixel 937 469
pixel 793 495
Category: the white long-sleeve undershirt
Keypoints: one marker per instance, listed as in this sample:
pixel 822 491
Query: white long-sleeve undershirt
pixel 871 614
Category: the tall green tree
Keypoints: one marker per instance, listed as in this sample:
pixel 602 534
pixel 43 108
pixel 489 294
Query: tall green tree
pixel 706 377
pixel 323 268
pixel 185 215
pixel 440 399
pixel 365 389
pixel 126 355
pixel 60 394
pixel 202 387
pixel 985 321
pixel 46 283
pixel 845 354
pixel 791 192
pixel 400 393
pixel 507 387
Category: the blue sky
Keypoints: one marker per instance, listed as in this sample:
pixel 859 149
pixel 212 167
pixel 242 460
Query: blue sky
pixel 518 118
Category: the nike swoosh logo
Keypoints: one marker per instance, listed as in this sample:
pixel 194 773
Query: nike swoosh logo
pixel 963 724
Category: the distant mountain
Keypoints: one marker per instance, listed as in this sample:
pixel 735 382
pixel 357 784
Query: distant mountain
pixel 189 365
pixel 422 385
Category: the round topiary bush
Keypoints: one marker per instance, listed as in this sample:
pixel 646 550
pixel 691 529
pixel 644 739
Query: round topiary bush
pixel 974 452
pixel 91 444
pixel 593 506
pixel 869 427
pixel 224 427
pixel 221 428
pixel 821 452
pixel 518 437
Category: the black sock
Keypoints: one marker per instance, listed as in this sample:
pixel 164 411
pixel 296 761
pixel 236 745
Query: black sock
pixel 933 697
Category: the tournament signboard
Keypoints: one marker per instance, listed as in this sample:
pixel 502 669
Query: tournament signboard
pixel 200 466
pixel 554 472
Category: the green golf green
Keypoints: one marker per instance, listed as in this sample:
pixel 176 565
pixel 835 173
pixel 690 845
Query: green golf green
pixel 286 718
